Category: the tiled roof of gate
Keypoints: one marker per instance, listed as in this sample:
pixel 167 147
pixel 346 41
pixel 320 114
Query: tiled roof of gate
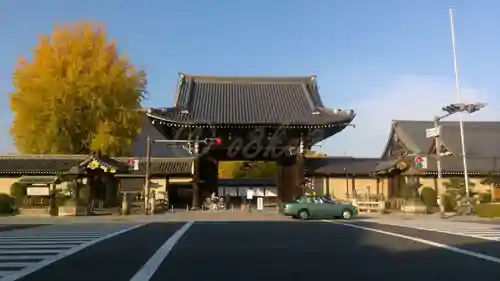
pixel 250 100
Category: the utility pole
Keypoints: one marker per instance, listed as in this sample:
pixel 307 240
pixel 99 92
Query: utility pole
pixel 461 121
pixel 437 143
pixel 147 187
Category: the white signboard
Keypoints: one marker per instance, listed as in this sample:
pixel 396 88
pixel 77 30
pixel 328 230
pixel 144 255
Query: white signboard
pixel 133 164
pixel 242 191
pixel 38 191
pixel 433 132
pixel 258 192
pixel 271 192
pixel 260 204
pixel 231 191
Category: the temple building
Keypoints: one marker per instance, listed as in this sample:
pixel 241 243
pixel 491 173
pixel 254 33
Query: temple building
pixel 218 118
pixel 346 177
pixel 253 118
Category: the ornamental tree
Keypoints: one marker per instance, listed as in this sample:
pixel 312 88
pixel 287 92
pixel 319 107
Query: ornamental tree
pixel 76 94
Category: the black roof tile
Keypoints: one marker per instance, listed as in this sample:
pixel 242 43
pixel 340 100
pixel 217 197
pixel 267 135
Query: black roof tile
pixel 482 139
pixel 250 100
pixel 161 165
pixel 52 164
pixel 341 165
pixel 246 182
pixel 39 164
pixel 157 149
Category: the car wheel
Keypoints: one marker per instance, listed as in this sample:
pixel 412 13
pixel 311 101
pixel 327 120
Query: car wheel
pixel 346 214
pixel 303 214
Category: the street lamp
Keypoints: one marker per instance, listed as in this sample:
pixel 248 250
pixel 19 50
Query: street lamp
pixel 436 134
pixel 346 182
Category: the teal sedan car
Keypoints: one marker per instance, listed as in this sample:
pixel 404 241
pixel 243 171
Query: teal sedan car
pixel 318 207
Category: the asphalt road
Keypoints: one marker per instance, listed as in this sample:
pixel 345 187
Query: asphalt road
pixel 293 251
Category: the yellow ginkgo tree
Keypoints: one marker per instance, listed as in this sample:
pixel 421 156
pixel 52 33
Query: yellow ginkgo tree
pixel 76 94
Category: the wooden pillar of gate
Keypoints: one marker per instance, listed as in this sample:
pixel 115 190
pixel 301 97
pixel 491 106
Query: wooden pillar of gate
pixel 290 176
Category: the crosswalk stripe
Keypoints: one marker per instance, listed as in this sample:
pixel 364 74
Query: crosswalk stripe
pixel 23 250
pixel 14 264
pixel 6 272
pixel 474 230
pixel 26 257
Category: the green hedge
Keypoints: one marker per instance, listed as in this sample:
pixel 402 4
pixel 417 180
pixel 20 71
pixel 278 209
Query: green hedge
pixel 6 204
pixel 488 210
pixel 429 197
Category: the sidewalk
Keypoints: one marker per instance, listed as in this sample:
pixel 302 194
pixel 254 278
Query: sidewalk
pixel 177 215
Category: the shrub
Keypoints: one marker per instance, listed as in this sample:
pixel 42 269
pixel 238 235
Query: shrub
pixel 429 197
pixel 449 202
pixel 6 204
pixel 488 210
pixel 484 197
pixel 18 192
pixel 84 194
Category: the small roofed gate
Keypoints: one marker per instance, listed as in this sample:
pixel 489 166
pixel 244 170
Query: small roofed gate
pixel 249 118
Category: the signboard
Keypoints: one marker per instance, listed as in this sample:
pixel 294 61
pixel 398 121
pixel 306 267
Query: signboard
pixel 271 192
pixel 133 164
pixel 37 191
pixel 260 204
pixel 420 162
pixel 258 191
pixel 433 132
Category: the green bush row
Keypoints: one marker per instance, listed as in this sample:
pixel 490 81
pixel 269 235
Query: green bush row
pixel 488 210
pixel 6 204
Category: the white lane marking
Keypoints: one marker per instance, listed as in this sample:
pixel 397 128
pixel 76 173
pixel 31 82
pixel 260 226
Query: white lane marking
pixel 438 230
pixel 37 266
pixel 149 268
pixel 423 241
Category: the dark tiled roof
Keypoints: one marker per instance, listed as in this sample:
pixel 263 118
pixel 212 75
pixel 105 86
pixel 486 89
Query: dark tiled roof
pixel 157 150
pixel 161 165
pixel 341 165
pixel 474 165
pixel 51 164
pixel 38 164
pixel 246 182
pixel 250 100
pixel 482 139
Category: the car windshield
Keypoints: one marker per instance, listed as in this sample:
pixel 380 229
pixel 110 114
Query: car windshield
pixel 327 199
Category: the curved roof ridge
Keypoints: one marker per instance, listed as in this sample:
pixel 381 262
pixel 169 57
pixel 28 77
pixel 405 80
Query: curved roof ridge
pixel 251 79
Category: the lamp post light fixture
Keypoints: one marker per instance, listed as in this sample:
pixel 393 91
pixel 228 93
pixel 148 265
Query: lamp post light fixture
pixel 436 134
pixel 346 182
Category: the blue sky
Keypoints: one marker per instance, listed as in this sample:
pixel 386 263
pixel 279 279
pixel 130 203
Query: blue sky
pixel 386 59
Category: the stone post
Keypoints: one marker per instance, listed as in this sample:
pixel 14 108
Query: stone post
pixel 125 204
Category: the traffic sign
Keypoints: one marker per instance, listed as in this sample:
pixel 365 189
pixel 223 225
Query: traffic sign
pixel 420 162
pixel 433 132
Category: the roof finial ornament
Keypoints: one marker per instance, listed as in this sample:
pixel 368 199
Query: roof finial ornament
pixel 181 79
